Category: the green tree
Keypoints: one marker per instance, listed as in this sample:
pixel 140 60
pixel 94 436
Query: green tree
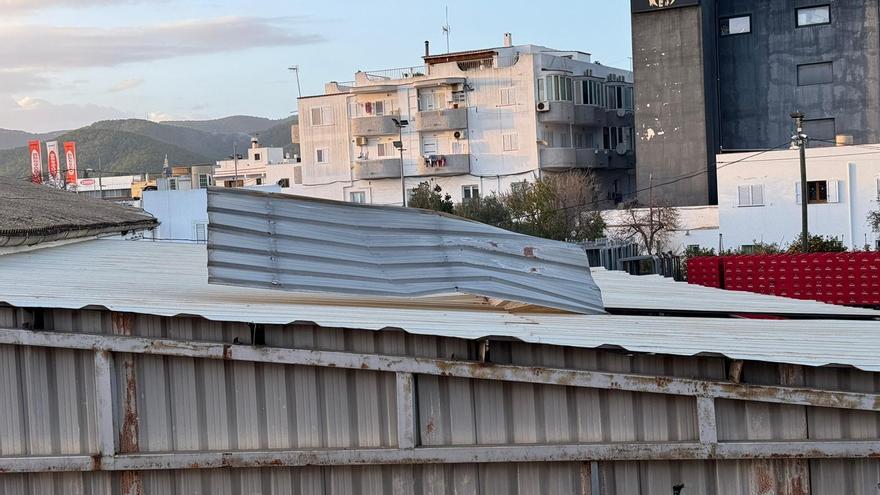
pixel 559 206
pixel 818 244
pixel 490 210
pixel 430 197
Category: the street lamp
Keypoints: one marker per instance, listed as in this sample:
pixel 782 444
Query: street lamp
pixel 235 157
pixel 401 123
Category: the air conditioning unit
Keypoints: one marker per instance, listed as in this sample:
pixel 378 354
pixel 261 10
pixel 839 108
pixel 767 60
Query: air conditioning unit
pixel 360 141
pixel 543 106
pixel 456 134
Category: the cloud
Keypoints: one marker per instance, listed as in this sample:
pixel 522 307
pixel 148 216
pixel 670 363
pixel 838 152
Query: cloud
pixel 35 47
pixel 126 85
pixel 21 80
pixel 39 115
pixel 161 117
pixel 19 7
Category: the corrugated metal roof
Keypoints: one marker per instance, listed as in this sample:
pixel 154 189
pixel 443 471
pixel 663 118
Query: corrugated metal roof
pixel 279 241
pixel 621 290
pixel 171 279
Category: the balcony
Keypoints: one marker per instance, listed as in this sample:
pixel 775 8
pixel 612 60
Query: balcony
pixel 382 125
pixel 449 165
pixel 385 168
pixel 558 158
pixel 622 160
pixel 589 115
pixel 442 120
pixel 593 158
pixel 619 117
pixel 560 112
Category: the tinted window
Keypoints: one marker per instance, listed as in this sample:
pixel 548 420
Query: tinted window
pixel 810 16
pixel 736 25
pixel 820 131
pixel 814 74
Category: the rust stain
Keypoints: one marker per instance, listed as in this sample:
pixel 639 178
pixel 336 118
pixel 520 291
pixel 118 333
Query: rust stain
pixel 364 366
pixel 121 323
pixel 129 430
pixel 96 462
pixel 227 351
pixel 131 483
pixel 429 427
pixel 586 478
pixel 529 252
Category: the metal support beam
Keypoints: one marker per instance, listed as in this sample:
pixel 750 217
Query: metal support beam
pixel 104 402
pixel 449 455
pixel 464 369
pixel 406 411
pixel 706 420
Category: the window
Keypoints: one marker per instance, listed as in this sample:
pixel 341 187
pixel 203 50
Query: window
pixel 358 197
pixel 285 182
pixel 322 155
pixel 379 108
pixel 470 192
pixel 750 195
pixel 458 97
pixel 200 232
pixel 205 181
pixel 509 142
pixel 747 249
pixel 812 16
pixel 508 96
pixel 172 183
pixel 382 149
pixel 593 93
pixel 233 183
pixel 429 147
pixel 809 74
pixel 819 192
pixel 558 88
pixel 735 25
pixel 259 181
pixel 321 116
pixel 256 157
pixel 819 130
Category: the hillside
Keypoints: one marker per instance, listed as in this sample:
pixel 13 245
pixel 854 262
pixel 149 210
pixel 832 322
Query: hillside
pixel 211 145
pixel 120 153
pixel 235 124
pixel 14 139
pixel 278 136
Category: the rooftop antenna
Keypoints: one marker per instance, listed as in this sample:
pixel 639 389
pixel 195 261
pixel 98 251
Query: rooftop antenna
pixel 446 29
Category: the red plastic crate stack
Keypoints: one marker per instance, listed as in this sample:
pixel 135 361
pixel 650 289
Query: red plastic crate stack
pixel 837 278
pixel 704 270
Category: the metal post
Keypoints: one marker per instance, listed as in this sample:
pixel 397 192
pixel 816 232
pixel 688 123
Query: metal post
pixel 235 162
pixel 800 139
pixel 402 176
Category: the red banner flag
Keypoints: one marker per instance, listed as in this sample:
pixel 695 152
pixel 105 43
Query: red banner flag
pixel 36 162
pixel 70 158
pixel 52 160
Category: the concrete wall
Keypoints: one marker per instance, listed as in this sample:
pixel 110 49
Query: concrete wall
pixel 670 107
pixel 758 72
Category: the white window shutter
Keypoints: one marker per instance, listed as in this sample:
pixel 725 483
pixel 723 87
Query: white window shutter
pixel 743 196
pixel 797 192
pixel 758 195
pixel 833 191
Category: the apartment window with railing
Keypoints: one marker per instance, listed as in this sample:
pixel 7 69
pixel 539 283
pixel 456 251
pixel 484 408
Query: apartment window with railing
pixel 372 108
pixel 614 136
pixel 620 97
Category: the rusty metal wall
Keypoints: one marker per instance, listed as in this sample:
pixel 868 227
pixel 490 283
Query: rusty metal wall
pixel 186 404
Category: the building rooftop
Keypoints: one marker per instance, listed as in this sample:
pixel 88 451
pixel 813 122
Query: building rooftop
pixel 31 214
pixel 176 283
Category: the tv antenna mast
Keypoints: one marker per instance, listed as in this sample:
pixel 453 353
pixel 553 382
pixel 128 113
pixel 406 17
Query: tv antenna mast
pixel 446 29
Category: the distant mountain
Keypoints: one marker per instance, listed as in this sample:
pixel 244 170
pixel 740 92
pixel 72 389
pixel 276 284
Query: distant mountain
pixel 13 139
pixel 135 145
pixel 118 152
pixel 235 124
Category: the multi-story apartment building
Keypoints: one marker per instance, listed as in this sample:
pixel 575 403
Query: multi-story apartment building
pixel 724 76
pixel 473 122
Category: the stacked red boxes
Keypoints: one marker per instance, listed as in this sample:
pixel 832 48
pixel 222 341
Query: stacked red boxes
pixel 837 278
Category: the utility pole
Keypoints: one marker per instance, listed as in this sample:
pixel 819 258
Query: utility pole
pixel 401 123
pixel 800 140
pixel 235 156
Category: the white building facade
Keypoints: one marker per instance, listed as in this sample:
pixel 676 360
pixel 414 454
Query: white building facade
pixel 251 169
pixel 472 122
pixel 759 200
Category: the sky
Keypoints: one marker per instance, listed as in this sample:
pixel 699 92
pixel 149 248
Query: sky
pixel 68 63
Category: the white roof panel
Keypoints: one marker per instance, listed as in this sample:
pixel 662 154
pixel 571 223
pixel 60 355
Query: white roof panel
pixel 171 279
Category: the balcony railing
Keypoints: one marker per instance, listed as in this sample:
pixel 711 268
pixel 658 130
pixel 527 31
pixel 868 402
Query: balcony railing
pixel 383 168
pixel 488 63
pixel 442 120
pixel 398 73
pixel 382 125
pixel 436 165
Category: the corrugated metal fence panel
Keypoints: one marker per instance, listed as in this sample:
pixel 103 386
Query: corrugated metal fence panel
pixel 285 242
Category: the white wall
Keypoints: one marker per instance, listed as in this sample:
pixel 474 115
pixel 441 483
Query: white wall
pixel 855 169
pixel 698 226
pixel 178 212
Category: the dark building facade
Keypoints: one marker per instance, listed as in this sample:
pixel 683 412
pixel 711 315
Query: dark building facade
pixel 716 76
